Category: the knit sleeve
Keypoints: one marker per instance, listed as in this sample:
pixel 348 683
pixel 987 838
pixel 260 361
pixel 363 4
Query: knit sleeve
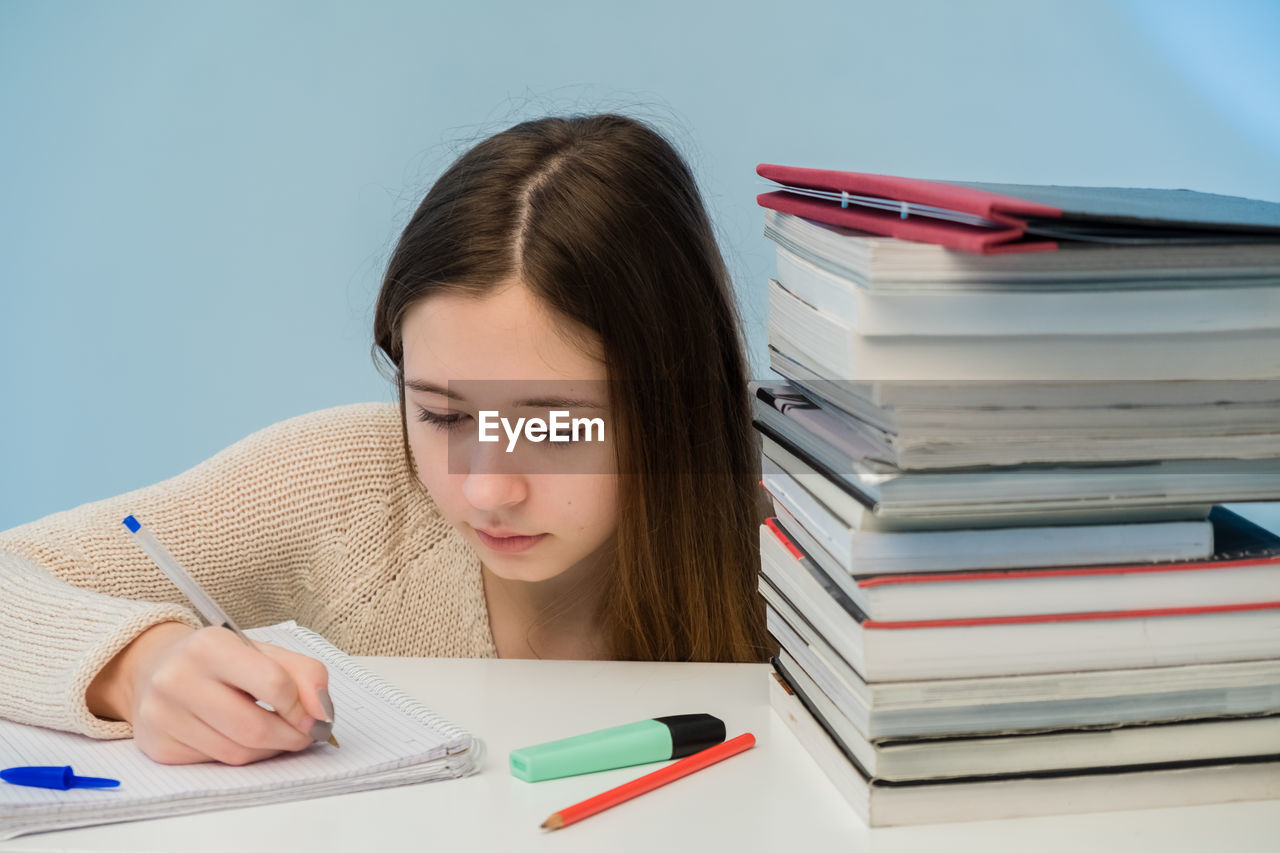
pixel 75 588
pixel 55 638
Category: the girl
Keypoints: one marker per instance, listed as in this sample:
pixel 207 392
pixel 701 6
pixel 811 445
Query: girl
pixel 563 264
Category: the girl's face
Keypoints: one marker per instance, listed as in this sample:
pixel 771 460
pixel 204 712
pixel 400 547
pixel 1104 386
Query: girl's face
pixel 544 508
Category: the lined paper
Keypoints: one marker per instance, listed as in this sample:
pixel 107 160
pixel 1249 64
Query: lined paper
pixel 387 737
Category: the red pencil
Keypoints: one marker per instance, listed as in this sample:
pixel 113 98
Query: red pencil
pixel 649 781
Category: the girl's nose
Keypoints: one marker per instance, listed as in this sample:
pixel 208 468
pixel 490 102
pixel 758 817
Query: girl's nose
pixel 494 491
pixel 491 484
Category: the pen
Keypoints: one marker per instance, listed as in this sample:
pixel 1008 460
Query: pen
pixel 649 781
pixel 208 608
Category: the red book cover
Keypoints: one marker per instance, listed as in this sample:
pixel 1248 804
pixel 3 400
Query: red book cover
pixel 1016 217
pixel 952 235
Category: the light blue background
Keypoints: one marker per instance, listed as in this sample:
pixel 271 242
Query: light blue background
pixel 197 199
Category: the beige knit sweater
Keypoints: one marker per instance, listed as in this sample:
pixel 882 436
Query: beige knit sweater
pixel 317 518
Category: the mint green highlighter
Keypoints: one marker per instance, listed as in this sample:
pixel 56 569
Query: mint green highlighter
pixel 659 739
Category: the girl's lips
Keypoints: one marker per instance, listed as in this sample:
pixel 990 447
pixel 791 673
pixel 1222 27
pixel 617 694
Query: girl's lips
pixel 509 544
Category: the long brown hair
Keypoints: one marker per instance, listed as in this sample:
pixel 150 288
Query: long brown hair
pixel 601 218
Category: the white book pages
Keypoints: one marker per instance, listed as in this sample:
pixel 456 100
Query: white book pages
pixel 834 349
pixel 880 804
pixel 1012 645
pixel 1038 310
pixel 1066 749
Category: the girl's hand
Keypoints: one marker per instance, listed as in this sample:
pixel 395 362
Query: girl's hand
pixel 191 696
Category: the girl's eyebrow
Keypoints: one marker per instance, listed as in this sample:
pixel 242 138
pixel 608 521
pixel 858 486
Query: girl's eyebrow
pixel 533 402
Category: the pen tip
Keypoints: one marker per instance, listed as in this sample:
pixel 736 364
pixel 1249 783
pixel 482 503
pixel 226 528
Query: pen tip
pixel 554 822
pixel 333 740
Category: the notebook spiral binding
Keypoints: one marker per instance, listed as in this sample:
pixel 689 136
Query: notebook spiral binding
pixel 332 656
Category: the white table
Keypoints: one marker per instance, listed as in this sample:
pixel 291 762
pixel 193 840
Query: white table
pixel 772 797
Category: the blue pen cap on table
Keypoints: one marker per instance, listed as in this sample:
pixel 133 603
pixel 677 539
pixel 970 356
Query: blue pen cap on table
pixel 61 778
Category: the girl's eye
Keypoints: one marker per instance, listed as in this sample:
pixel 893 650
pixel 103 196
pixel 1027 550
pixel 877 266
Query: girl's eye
pixel 448 423
pixel 564 444
pixel 443 422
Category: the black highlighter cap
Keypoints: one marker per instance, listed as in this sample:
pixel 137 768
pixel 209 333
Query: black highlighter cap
pixel 692 733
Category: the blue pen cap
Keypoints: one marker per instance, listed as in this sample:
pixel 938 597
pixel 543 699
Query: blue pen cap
pixel 61 778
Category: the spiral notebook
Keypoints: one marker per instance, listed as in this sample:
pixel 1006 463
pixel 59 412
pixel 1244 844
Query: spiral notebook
pixel 388 739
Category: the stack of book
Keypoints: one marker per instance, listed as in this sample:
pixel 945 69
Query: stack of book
pixel 1000 574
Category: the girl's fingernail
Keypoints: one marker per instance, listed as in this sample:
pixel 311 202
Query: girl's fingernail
pixel 327 703
pixel 320 731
